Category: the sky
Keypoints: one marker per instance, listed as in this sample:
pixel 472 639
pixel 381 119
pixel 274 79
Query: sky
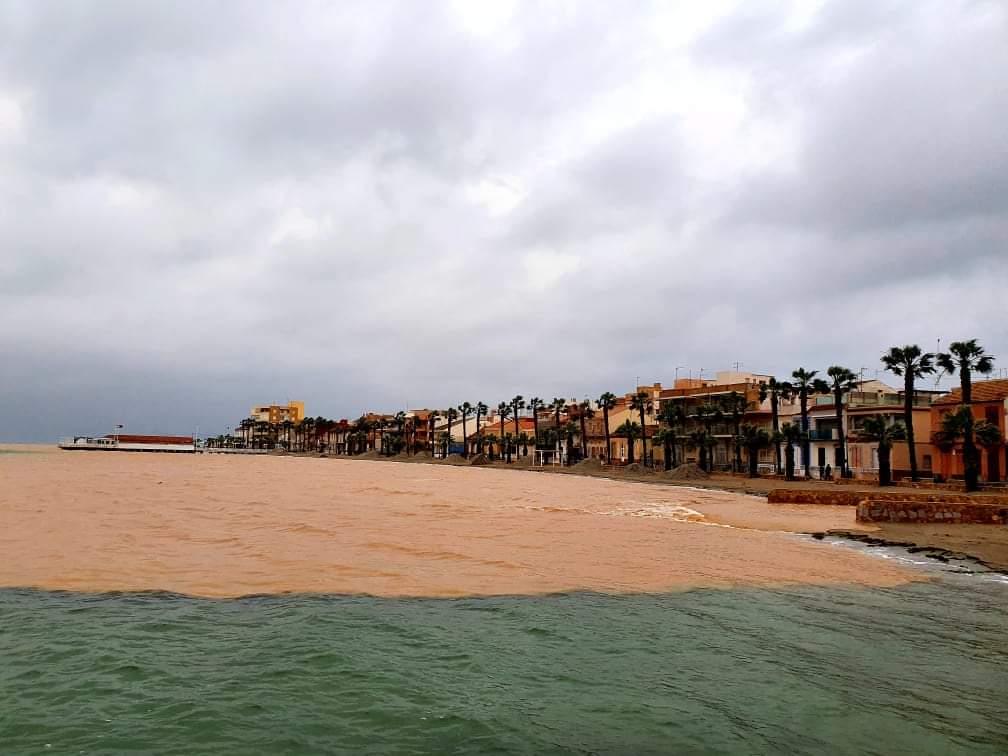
pixel 385 205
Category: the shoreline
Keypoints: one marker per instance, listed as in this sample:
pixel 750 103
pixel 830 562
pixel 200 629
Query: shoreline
pixel 986 545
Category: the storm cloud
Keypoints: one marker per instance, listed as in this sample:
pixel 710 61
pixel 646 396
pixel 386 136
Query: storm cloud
pixel 373 206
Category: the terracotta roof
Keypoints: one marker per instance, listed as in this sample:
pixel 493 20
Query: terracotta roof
pixel 983 391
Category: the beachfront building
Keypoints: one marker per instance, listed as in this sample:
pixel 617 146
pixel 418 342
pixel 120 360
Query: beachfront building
pixel 704 403
pixel 990 405
pixel 876 398
pixel 275 414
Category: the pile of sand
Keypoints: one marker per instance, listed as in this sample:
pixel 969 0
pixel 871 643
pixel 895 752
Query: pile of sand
pixel 589 464
pixel 456 459
pixel 637 468
pixel 479 459
pixel 373 454
pixel 688 471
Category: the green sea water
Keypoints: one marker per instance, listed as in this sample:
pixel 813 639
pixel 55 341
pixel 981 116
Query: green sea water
pixel 921 669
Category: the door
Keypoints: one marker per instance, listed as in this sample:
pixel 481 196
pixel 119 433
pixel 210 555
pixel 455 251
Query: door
pixel 993 465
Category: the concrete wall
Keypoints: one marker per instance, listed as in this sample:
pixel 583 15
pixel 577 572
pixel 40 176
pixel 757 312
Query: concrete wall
pixel 945 512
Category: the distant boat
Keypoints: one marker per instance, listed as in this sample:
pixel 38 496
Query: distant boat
pixel 127 442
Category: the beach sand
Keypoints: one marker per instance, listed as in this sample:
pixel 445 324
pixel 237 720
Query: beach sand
pixel 212 525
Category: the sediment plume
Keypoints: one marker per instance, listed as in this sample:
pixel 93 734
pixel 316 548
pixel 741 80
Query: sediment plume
pixel 215 525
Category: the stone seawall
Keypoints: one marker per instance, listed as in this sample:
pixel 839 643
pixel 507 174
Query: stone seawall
pixel 894 505
pixel 853 498
pixel 794 496
pixel 943 512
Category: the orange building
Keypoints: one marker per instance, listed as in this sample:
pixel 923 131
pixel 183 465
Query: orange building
pixel 990 405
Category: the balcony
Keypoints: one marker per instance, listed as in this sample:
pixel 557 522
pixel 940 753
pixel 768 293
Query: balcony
pixel 817 434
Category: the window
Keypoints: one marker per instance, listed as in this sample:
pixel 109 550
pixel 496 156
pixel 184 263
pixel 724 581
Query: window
pixel 927 462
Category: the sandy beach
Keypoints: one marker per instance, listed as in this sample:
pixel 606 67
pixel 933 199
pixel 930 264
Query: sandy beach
pixel 225 526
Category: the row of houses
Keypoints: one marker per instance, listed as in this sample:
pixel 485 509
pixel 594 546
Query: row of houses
pixel 569 430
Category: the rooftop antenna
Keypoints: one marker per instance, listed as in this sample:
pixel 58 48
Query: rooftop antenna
pixel 738 365
pixel 938 373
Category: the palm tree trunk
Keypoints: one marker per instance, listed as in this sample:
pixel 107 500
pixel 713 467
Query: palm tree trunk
pixel 608 447
pixel 465 443
pixel 776 429
pixel 643 437
pixel 806 446
pixel 908 398
pixel 667 453
pixel 584 438
pixel 884 471
pixel 841 449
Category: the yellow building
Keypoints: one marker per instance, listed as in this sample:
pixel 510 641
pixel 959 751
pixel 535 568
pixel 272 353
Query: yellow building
pixel 277 413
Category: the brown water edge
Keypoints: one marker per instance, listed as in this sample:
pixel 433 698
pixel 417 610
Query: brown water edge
pixel 218 526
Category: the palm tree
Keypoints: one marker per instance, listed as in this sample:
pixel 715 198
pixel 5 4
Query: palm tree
pixel 842 381
pixel 504 411
pixel 967 357
pixel 665 437
pixel 630 430
pixel 753 439
pixel 517 405
pixel 910 362
pixel 707 415
pixel 702 441
pixel 643 404
pixel 805 384
pixel 953 428
pixel 558 405
pixel 876 429
pixel 465 410
pixel 585 412
pixel 674 417
pixel 508 441
pixel 523 441
pixel 481 409
pixel 450 414
pixel 535 404
pixel 430 433
pixel 735 405
pixel 790 435
pixel 775 390
pixel 570 430
pixel 606 402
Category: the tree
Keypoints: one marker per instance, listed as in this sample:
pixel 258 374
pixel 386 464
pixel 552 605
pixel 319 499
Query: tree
pixel 504 411
pixel 535 404
pixel 753 439
pixel 630 430
pixel 775 390
pixel 707 415
pixel 954 427
pixel 450 414
pixel 876 429
pixel 805 384
pixel 465 410
pixel 517 405
pixel 790 435
pixel 967 357
pixel 558 405
pixel 665 437
pixel 570 430
pixel 674 417
pixel 702 441
pixel 841 381
pixel 508 442
pixel 523 441
pixel 643 404
pixel 912 363
pixel 585 412
pixel 606 402
pixel 430 432
pixel 481 409
pixel 734 405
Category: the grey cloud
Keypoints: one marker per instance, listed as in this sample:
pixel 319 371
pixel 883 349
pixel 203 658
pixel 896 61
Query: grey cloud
pixel 207 206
